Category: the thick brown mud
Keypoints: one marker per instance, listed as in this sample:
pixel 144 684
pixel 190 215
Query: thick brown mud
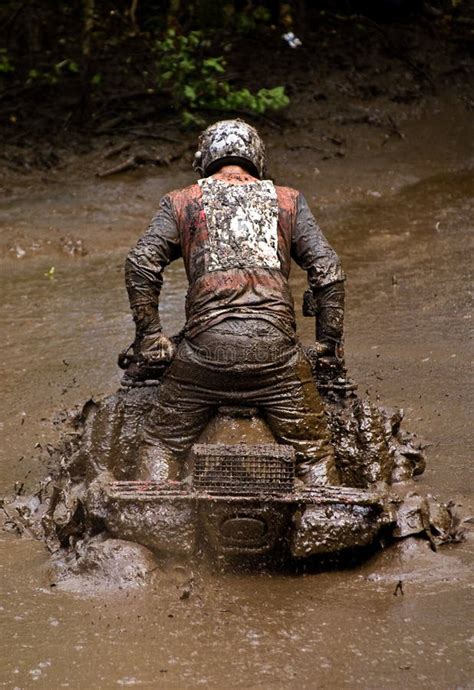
pixel 400 216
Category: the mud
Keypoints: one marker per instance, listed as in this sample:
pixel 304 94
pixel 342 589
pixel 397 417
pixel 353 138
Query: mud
pixel 400 219
pixel 103 564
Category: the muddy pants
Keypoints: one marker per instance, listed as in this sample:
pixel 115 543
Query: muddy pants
pixel 239 362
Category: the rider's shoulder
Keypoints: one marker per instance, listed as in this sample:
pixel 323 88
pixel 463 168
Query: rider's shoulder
pixel 287 196
pixel 177 196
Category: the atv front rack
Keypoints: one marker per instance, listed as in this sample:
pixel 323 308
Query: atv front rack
pixel 174 519
pixel 144 491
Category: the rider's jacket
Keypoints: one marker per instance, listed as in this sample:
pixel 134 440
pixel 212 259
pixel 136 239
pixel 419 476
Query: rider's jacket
pixel 237 236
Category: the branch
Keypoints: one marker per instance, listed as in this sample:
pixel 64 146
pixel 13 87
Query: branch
pixel 133 14
pixel 138 159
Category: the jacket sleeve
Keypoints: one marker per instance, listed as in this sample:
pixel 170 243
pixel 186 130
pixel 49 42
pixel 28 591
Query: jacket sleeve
pixel 311 250
pixel 159 246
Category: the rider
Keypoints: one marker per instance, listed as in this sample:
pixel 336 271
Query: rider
pixel 237 233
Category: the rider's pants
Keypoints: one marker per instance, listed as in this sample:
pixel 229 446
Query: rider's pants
pixel 240 363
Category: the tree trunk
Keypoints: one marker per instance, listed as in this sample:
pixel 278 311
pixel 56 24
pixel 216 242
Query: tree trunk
pixel 88 26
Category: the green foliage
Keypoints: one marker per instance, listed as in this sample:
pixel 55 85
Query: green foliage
pixel 53 75
pixel 195 81
pixel 246 21
pixel 5 62
pixel 243 99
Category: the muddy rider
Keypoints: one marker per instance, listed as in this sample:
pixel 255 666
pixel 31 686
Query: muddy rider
pixel 237 233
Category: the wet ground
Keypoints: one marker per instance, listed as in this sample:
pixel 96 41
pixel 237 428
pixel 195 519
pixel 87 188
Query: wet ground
pixel 400 216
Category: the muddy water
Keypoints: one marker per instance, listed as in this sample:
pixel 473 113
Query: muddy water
pixel 403 237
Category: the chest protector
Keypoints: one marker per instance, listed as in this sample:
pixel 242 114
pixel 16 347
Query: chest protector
pixel 242 225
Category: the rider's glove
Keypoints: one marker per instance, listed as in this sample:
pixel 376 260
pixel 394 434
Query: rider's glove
pixel 330 359
pixel 151 347
pixel 327 304
pixel 154 349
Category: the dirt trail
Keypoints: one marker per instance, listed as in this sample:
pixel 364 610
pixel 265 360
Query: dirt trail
pixel 400 216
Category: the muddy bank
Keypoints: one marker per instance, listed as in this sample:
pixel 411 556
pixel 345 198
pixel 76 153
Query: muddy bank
pixel 69 213
pixel 352 73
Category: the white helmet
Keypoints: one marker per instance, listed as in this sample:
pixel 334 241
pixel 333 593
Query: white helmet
pixel 230 142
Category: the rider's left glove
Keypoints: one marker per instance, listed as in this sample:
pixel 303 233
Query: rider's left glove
pixel 154 349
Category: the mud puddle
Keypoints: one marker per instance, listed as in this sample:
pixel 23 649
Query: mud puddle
pixel 407 321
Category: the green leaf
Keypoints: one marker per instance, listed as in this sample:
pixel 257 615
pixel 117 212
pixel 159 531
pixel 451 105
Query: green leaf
pixel 189 93
pixel 5 64
pixel 216 64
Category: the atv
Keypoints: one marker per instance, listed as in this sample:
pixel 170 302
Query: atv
pixel 239 499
